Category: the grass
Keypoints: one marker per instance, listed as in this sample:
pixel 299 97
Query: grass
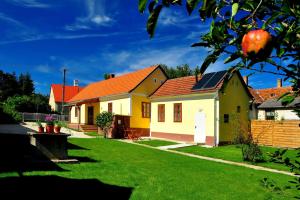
pixel 234 153
pixel 156 143
pixel 150 174
pixel 93 134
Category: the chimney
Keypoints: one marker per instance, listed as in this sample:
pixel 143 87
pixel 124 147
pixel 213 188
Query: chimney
pixel 245 80
pixel 111 76
pixel 75 83
pixel 279 82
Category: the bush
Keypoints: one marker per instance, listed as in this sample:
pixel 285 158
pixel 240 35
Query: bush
pixel 104 121
pixel 252 153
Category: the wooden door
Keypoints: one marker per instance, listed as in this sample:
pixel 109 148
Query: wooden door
pixel 91 115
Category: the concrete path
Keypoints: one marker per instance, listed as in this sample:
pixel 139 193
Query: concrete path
pixel 218 160
pixel 175 146
pixel 31 127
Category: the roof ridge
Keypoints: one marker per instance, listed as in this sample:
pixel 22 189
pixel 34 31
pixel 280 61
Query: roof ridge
pixel 284 87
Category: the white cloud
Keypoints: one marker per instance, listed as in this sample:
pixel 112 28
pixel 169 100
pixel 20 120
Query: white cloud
pixel 44 69
pixel 169 17
pixel 95 16
pixel 29 3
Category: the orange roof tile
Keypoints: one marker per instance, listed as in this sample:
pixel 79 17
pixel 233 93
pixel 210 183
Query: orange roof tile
pixel 181 86
pixel 70 91
pixel 118 85
pixel 261 95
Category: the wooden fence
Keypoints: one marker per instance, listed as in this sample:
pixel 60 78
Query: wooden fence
pixel 276 133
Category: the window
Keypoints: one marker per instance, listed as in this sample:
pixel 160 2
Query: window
pixel 110 107
pixel 177 112
pixel 226 118
pixel 146 109
pixel 155 80
pixel 161 112
pixel 238 109
pixel 270 115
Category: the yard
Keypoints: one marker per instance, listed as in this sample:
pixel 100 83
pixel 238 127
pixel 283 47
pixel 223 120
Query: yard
pixel 110 167
pixel 234 153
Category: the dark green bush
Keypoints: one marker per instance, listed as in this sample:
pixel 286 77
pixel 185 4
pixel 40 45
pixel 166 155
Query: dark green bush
pixel 104 121
pixel 252 153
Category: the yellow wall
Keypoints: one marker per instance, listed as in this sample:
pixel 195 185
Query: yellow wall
pixel 148 86
pixel 120 104
pixel 233 95
pixel 52 101
pixel 136 119
pixel 190 105
pixel 73 118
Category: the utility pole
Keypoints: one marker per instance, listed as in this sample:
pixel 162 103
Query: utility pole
pixel 63 91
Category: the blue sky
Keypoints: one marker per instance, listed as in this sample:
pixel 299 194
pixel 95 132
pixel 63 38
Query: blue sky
pixel 93 37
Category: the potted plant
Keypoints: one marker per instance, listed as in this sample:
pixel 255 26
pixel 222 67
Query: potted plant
pixel 49 124
pixel 57 127
pixel 40 126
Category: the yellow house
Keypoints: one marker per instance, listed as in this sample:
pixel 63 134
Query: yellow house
pixel 208 110
pixel 126 96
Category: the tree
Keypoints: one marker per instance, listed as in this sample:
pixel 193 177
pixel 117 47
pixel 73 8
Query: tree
pixel 104 121
pixel 8 85
pixel 26 84
pixel 178 71
pixel 231 20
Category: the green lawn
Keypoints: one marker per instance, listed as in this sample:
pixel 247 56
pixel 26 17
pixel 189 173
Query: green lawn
pixel 93 134
pixel 156 143
pixel 113 167
pixel 234 153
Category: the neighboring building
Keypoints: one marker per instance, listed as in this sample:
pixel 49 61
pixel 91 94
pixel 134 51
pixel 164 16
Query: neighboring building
pixel 210 110
pixel 268 107
pixel 126 96
pixel 56 90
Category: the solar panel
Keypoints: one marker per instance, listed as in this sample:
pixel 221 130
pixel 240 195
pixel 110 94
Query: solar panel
pixel 215 79
pixel 203 81
pixel 209 80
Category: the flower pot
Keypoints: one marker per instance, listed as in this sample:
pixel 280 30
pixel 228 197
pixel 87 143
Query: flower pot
pixel 57 129
pixel 49 128
pixel 41 129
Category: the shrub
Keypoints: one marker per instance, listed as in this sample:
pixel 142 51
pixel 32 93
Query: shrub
pixel 252 153
pixel 104 121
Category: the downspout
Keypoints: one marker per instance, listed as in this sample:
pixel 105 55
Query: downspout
pixel 79 115
pixel 217 120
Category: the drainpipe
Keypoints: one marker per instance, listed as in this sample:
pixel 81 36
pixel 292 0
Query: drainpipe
pixel 217 120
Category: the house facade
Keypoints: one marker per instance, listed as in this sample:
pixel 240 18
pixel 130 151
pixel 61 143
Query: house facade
pixel 126 96
pixel 208 110
pixel 268 107
pixel 56 93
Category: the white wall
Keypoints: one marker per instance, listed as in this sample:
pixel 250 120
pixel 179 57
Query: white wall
pixel 279 115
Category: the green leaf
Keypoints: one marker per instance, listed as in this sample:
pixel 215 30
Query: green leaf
pixel 269 21
pixel 232 57
pixel 191 5
pixel 210 59
pixel 152 20
pixel 200 44
pixel 234 9
pixel 142 5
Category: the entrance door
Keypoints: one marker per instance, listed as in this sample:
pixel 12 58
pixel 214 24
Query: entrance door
pixel 90 115
pixel 199 128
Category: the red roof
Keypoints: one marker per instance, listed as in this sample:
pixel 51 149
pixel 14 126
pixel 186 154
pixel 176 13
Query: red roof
pixel 261 95
pixel 181 86
pixel 70 92
pixel 118 85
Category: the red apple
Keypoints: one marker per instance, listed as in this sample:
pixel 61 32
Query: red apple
pixel 256 42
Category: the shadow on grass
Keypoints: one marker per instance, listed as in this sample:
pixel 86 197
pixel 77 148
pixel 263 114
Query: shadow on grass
pixel 17 154
pixel 37 187
pixel 75 147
